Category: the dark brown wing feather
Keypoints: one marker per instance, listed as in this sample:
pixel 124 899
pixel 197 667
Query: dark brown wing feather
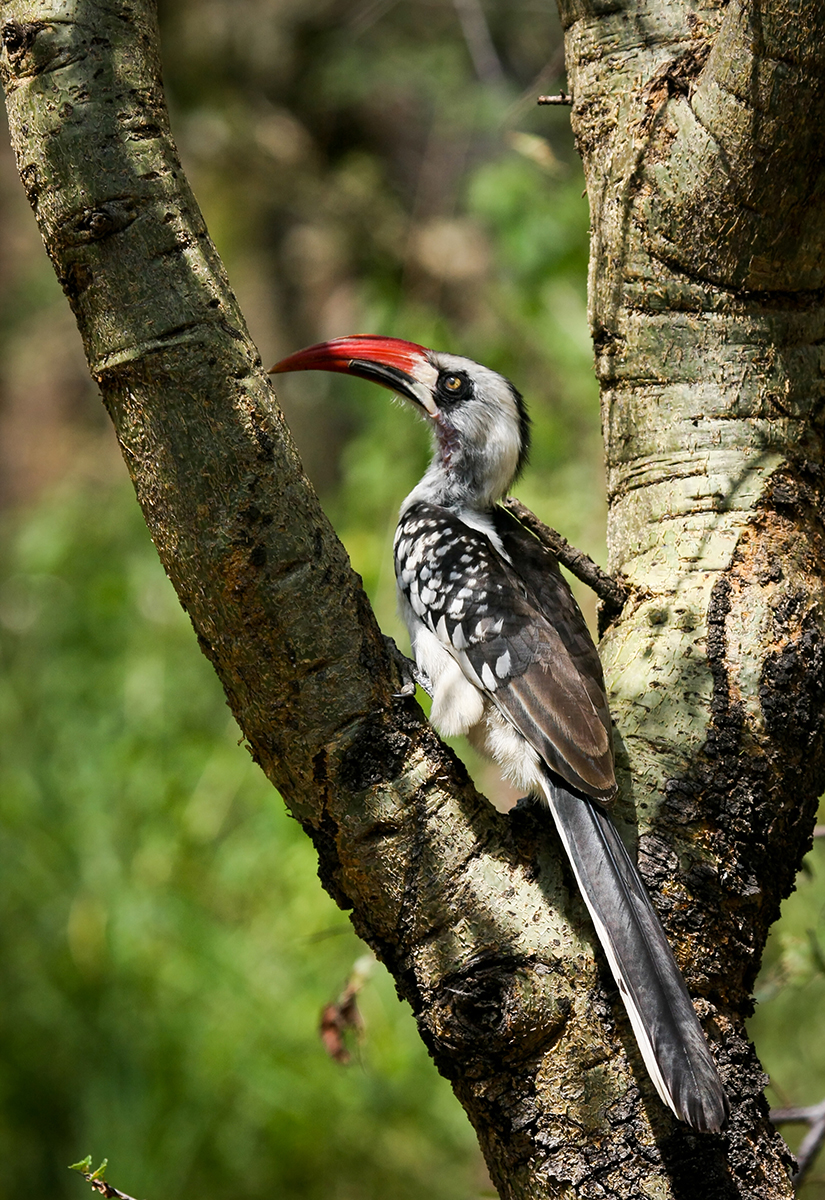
pixel 562 691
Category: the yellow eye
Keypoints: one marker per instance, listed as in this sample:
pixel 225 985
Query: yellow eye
pixel 454 386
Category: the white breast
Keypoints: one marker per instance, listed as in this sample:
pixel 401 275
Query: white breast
pixel 458 704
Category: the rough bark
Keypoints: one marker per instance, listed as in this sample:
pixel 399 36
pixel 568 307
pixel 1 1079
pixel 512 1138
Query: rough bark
pixel 474 913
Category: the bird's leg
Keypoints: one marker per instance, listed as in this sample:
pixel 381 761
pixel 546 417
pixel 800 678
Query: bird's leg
pixel 410 673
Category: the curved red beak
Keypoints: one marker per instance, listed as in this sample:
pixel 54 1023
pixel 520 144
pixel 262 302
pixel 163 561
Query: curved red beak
pixel 403 367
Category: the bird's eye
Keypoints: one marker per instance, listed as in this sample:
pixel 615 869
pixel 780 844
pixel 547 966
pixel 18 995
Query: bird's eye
pixel 454 385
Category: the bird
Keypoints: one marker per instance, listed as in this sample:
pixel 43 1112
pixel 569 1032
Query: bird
pixel 501 645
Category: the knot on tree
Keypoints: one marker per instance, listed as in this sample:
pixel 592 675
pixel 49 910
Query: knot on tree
pixel 496 1010
pixel 18 38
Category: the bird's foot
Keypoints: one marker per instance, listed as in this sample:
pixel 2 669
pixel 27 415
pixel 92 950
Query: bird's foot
pixel 408 671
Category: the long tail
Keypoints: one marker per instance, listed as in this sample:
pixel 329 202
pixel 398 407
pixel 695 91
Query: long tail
pixel 661 1012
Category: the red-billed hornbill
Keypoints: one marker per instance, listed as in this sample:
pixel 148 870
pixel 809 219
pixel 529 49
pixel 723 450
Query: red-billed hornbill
pixel 509 661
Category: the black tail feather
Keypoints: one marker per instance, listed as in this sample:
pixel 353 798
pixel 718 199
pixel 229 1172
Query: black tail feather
pixel 661 1012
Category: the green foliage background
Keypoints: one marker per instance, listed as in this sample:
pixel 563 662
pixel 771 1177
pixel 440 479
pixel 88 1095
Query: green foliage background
pixel 166 946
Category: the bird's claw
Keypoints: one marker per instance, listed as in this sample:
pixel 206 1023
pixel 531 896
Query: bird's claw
pixel 408 671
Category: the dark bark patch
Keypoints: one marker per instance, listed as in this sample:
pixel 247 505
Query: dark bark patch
pixel 377 753
pixel 319 769
pixel 728 717
pixel 18 38
pixel 791 690
pixel 95 224
pixel 77 279
pixel 258 556
pixel 30 177
pixel 263 437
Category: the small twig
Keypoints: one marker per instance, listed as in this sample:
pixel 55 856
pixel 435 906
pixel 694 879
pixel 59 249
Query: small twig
pixel 814 1117
pixel 611 591
pixel 562 98
pixel 95 1178
pixel 819 831
pixel 106 1189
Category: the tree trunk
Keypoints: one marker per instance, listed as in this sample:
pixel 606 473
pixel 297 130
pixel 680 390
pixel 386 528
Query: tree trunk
pixel 715 666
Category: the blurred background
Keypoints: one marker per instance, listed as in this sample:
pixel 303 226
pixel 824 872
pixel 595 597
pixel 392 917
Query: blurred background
pixel 166 949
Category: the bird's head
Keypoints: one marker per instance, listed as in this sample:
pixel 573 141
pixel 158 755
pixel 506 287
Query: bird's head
pixel 481 427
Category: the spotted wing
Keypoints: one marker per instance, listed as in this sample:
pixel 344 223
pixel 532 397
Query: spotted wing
pixel 517 633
